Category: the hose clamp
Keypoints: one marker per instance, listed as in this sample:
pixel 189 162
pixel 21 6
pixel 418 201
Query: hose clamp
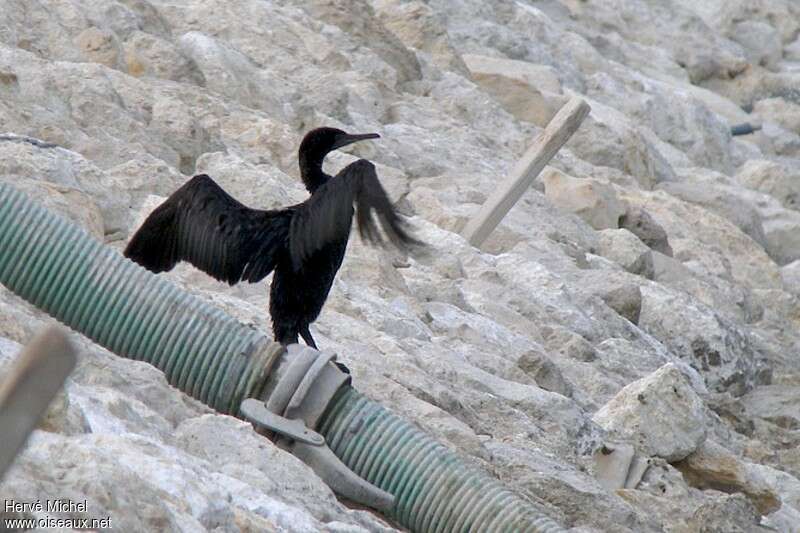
pixel 295 405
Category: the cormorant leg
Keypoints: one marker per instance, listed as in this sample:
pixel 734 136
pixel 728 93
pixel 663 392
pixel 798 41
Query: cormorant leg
pixel 284 335
pixel 286 341
pixel 307 336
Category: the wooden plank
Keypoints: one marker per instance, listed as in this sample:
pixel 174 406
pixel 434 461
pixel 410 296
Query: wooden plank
pixel 544 148
pixel 28 388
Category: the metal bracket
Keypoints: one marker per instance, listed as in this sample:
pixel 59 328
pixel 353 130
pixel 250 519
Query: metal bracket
pixel 257 413
pixel 296 403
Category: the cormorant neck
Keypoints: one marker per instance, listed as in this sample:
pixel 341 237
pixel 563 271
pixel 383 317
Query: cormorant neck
pixel 311 171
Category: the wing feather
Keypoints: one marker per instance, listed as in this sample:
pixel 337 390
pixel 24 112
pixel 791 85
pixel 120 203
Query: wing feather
pixel 202 224
pixel 327 216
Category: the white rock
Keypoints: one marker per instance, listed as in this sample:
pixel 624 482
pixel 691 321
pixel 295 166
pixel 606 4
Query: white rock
pixel 99 46
pixel 792 51
pixel 231 73
pixel 618 290
pixel 713 465
pixel 593 201
pixel 778 179
pixel 661 414
pixel 640 223
pixel 708 243
pixel 779 110
pixel 608 138
pixel 723 353
pixel 529 92
pixel 790 274
pixel 542 77
pixel 727 202
pixel 776 140
pixel 625 248
pixel 417 25
pixel 761 42
pixel 149 55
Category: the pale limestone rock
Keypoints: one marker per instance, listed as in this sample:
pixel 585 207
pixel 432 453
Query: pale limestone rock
pixel 743 151
pixel 625 248
pixel 149 55
pixel 529 92
pixel 541 77
pixel 780 179
pixel 715 102
pixel 59 179
pixel 779 110
pixel 593 201
pixel 784 519
pixel 666 269
pixel 617 291
pixel 232 73
pixel 122 428
pixel 706 242
pixel 149 203
pixel 761 41
pixel 724 354
pixel 734 514
pixel 776 140
pixel 775 404
pixel 133 182
pixel 661 414
pixel 714 467
pixel 90 465
pixel 99 46
pixel 367 30
pixel 418 26
pixel 690 134
pixel 608 138
pixel 722 14
pixel 758 215
pixel 786 485
pixel 791 51
pixel 569 344
pixel 639 222
pixel 726 201
pixel 781 227
pixel 790 274
pixel 546 373
pixel 701 52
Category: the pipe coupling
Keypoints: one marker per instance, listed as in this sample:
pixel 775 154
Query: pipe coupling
pixel 291 410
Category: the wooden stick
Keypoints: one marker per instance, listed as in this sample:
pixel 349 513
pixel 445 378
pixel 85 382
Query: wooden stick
pixel 29 385
pixel 547 144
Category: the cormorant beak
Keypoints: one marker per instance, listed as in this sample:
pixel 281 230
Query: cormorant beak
pixel 344 140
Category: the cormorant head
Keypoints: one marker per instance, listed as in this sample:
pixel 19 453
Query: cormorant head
pixel 316 145
pixel 320 141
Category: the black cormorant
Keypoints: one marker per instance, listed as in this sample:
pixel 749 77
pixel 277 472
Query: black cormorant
pixel 304 244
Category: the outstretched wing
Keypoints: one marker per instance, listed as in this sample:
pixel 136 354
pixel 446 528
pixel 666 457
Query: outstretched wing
pixel 327 216
pixel 202 224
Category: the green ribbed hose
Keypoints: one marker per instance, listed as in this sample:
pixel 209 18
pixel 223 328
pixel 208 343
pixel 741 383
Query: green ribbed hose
pixel 58 267
pixel 434 490
pixel 90 287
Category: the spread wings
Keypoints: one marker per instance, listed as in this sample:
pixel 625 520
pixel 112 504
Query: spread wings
pixel 327 216
pixel 202 224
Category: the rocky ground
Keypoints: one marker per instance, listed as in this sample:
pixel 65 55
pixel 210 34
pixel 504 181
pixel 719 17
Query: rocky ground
pixel 624 351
